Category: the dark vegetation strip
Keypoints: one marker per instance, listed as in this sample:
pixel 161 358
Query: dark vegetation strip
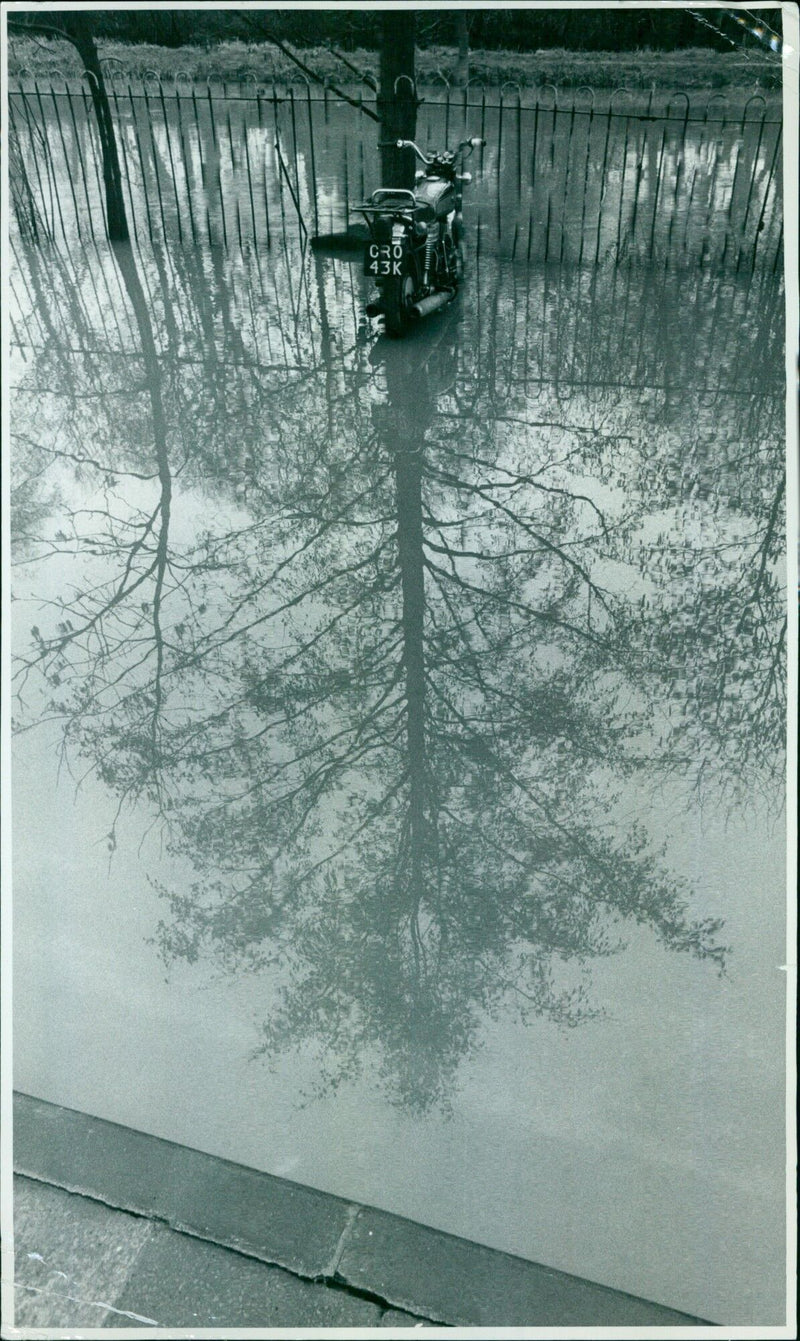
pixel 515 28
pixel 247 60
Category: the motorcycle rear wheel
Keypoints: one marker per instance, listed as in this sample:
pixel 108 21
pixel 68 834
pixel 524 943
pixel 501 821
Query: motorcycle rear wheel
pixel 397 299
pixel 460 261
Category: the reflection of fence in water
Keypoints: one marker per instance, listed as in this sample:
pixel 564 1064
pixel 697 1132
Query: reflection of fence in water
pixel 292 312
pixel 633 179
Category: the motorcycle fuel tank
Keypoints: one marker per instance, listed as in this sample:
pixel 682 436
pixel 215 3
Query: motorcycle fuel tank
pixel 438 193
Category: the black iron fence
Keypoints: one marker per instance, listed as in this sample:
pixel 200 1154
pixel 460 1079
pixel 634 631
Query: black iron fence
pixel 578 178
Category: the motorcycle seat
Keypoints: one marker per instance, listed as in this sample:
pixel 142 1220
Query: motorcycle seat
pixel 393 203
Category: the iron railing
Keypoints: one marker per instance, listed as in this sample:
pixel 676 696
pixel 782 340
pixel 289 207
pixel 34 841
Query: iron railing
pixel 576 178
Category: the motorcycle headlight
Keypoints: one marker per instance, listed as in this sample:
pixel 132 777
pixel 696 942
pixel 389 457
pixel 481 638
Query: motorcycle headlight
pixel 421 228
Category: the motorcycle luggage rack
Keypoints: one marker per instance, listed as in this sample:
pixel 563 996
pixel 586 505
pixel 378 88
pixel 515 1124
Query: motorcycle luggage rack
pixel 379 199
pixel 409 205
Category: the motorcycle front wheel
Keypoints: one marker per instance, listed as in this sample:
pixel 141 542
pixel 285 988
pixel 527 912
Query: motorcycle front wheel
pixel 398 296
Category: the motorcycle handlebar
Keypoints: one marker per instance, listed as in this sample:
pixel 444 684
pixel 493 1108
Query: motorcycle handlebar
pixel 409 144
pixel 474 143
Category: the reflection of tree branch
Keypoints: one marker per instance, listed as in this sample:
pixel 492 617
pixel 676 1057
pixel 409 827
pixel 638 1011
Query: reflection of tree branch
pixel 517 480
pixel 284 564
pixel 83 460
pixel 774 514
pixel 58 645
pixel 291 604
pixel 545 616
pixel 525 526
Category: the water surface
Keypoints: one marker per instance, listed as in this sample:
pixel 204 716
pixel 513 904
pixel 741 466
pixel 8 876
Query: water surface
pixel 398 781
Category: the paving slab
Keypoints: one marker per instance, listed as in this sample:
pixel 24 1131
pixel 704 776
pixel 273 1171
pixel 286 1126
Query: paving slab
pixel 451 1280
pixel 278 1221
pixel 47 1310
pixel 72 1257
pixel 126 1168
pixel 413 1270
pixel 79 1263
pixel 184 1282
pixel 268 1217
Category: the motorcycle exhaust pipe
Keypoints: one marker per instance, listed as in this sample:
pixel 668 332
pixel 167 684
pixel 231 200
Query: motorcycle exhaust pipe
pixel 432 303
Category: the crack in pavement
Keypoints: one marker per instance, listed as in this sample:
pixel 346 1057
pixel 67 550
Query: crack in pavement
pixel 331 1278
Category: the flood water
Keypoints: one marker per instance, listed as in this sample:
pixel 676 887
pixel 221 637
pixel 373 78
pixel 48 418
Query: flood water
pixel 565 175
pixel 398 782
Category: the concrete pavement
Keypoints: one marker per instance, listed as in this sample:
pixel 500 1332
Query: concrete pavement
pixel 116 1228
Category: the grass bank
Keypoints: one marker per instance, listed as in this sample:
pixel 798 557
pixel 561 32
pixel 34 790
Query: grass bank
pixel 698 68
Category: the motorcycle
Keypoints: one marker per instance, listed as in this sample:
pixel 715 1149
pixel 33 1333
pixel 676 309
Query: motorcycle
pixel 415 251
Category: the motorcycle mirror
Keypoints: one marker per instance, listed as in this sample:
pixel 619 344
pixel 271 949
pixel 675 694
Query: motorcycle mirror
pixel 477 142
pixel 465 177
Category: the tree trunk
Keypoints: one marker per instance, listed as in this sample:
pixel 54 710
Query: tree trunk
pixel 397 99
pixel 408 482
pixel 411 410
pixel 76 25
pixel 462 42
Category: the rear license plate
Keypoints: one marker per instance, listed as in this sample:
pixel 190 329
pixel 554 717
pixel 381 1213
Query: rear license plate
pixel 383 258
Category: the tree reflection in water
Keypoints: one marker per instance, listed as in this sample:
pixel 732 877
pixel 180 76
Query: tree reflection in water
pixel 381 633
